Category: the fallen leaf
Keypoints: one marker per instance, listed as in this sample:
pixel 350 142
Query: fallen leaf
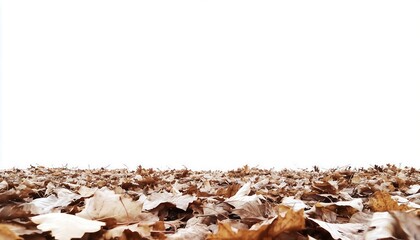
pixel 118 232
pixel 381 201
pixel 52 203
pixel 180 201
pixel 383 226
pixel 292 221
pixel 345 231
pixel 295 204
pixel 21 229
pixel 241 197
pixel 8 234
pixel 413 189
pixel 65 226
pixel 106 204
pixel 13 211
pixel 409 223
pixel 271 229
pixel 251 212
pixel 192 231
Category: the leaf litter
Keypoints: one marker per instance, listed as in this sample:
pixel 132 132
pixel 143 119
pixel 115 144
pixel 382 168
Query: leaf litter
pixel 379 202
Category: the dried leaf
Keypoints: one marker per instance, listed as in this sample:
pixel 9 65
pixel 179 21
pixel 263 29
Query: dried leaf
pixel 179 200
pixel 382 201
pixel 52 203
pixel 186 204
pixel 409 223
pixel 8 234
pixel 251 212
pixel 192 232
pixel 295 204
pixel 291 222
pixel 118 232
pixel 65 226
pixel 383 226
pixel 241 197
pixel 13 211
pixel 106 204
pixel 345 231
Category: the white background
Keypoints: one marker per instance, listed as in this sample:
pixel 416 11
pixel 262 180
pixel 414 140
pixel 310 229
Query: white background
pixel 209 84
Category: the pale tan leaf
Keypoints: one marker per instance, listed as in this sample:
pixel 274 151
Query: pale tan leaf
pixel 382 226
pixel 345 231
pixel 106 204
pixel 117 232
pixel 241 197
pixel 193 232
pixel 65 226
pixel 52 203
pixel 409 223
pixel 295 204
pixel 179 200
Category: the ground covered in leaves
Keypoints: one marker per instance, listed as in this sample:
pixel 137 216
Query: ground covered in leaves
pixel 39 203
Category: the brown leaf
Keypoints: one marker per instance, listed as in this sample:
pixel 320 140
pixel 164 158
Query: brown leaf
pixel 342 231
pixel 13 211
pixel 225 232
pixel 158 230
pixel 251 212
pixel 409 223
pixel 229 191
pixel 179 200
pixel 191 232
pixel 7 234
pixel 8 195
pixel 65 226
pixel 381 201
pixel 290 223
pixel 384 226
pixel 106 204
pixel 128 232
pixel 325 186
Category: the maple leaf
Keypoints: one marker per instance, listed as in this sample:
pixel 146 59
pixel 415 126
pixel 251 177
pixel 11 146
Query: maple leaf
pixel 119 232
pixel 251 212
pixel 241 197
pixel 193 230
pixel 226 232
pixel 381 201
pixel 345 231
pixel 223 206
pixel 7 234
pixel 381 226
pixel 295 204
pixel 13 211
pixel 326 186
pixel 291 222
pixel 179 200
pixel 329 211
pixel 413 189
pixel 65 226
pixel 20 229
pixel 49 204
pixel 408 223
pixel 106 204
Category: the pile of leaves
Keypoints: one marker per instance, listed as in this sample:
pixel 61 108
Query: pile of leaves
pixel 380 202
